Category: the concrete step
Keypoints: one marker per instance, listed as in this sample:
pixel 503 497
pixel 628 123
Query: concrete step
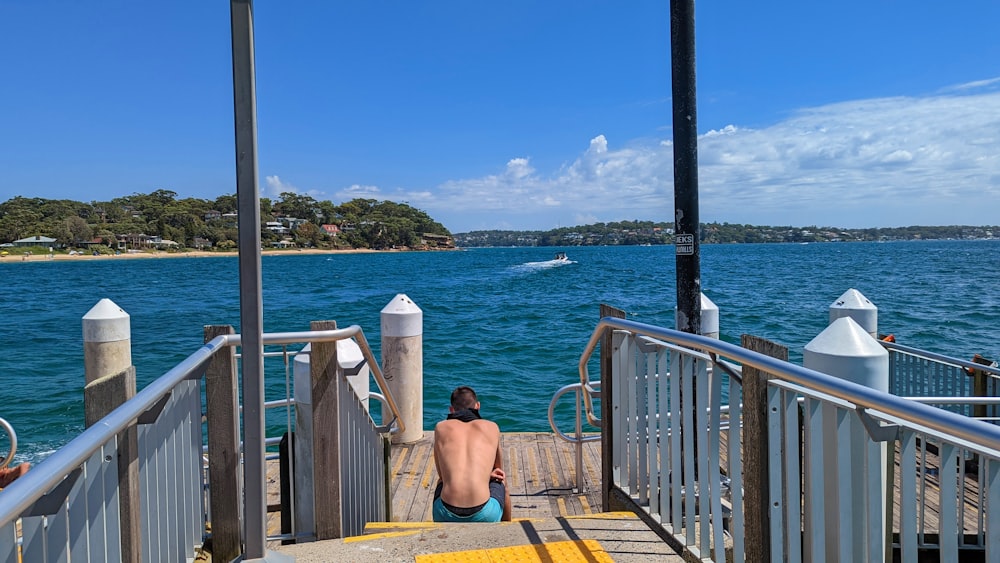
pixel 602 537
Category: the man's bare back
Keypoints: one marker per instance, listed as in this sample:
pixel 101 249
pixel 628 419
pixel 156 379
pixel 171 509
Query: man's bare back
pixel 467 456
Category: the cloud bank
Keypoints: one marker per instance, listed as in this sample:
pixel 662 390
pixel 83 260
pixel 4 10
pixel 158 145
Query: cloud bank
pixel 931 160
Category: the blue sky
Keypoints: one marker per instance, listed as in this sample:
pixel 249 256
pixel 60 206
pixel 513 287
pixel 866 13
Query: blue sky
pixel 517 114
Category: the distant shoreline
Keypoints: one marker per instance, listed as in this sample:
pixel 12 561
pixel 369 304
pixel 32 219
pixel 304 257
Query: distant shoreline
pixel 21 258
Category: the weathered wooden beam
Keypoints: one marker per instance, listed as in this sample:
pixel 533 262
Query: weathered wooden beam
pixel 326 435
pixel 224 470
pixel 757 494
pixel 100 397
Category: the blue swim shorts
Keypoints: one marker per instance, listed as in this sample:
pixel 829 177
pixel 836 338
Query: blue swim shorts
pixel 489 511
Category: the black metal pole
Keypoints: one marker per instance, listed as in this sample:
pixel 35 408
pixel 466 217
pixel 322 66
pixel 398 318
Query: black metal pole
pixel 686 222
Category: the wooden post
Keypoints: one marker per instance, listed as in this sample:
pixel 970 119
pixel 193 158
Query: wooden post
pixel 110 381
pixel 326 435
pixel 224 469
pixel 607 416
pixel 979 388
pixel 757 493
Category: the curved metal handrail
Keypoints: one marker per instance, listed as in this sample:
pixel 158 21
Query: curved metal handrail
pixel 13 443
pixel 579 439
pixel 552 414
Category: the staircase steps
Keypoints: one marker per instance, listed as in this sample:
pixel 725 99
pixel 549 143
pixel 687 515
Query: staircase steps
pixel 595 538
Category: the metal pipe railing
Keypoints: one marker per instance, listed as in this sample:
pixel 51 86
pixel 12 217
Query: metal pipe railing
pixel 578 439
pixel 13 443
pixel 964 428
pixel 994 371
pixel 353 331
pixel 20 495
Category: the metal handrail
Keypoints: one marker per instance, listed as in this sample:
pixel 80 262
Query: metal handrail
pixel 992 370
pixel 579 439
pixel 353 331
pixel 552 422
pixel 13 443
pixel 20 494
pixel 954 424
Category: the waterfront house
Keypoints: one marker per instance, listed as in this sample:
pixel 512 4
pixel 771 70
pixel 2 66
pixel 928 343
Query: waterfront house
pixel 37 240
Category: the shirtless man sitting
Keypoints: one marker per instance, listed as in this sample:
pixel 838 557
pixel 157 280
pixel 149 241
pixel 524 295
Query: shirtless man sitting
pixel 468 460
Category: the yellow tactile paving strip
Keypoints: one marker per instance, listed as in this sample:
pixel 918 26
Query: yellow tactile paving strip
pixel 563 551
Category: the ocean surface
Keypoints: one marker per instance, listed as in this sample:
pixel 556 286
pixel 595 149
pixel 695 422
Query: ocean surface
pixel 506 321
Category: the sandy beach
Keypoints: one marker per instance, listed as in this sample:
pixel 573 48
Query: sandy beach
pixel 19 258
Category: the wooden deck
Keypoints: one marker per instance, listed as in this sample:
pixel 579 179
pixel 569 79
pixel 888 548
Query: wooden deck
pixel 541 476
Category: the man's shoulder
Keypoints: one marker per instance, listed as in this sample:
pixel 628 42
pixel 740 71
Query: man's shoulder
pixel 480 425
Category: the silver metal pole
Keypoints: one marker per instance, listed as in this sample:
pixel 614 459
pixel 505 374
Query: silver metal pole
pixel 251 307
pixel 579 441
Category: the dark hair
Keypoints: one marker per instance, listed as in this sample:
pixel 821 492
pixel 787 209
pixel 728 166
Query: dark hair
pixel 463 398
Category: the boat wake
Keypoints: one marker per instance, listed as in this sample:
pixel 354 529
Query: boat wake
pixel 544 265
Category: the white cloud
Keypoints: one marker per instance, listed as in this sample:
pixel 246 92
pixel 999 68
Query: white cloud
pixel 276 187
pixel 357 191
pixel 880 162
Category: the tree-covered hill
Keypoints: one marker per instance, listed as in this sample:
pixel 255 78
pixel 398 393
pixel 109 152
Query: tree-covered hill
pixel 652 233
pixel 158 219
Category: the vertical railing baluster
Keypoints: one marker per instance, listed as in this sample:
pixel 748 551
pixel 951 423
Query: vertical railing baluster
pixel 815 549
pixel 676 458
pixel 947 515
pixel 664 432
pixel 688 431
pixel 735 458
pixel 908 524
pixel 714 445
pixel 775 464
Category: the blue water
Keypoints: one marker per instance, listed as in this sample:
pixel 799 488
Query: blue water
pixel 503 320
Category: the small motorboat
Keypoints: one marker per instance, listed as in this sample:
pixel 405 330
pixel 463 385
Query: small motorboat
pixel 561 256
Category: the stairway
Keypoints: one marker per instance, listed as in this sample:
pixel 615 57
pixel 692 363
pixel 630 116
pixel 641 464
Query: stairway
pixel 596 538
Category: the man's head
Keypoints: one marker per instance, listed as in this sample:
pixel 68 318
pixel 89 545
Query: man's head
pixel 464 398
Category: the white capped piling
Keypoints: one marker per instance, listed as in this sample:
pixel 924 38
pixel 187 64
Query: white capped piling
pixel 110 381
pixel 856 306
pixel 403 363
pixel 855 466
pixel 709 317
pixel 107 340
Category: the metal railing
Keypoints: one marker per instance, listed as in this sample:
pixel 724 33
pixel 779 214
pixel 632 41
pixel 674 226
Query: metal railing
pixel 66 507
pixel 827 443
pixel 919 373
pixel 577 439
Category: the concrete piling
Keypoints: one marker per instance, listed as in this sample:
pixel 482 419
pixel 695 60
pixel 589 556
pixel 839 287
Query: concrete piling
pixel 107 340
pixel 856 306
pixel 110 381
pixel 403 363
pixel 846 350
pixel 709 317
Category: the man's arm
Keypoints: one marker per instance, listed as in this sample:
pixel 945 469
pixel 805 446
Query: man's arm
pixel 498 473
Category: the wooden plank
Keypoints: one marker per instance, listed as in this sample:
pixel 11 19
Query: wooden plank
pixel 757 500
pixel 222 414
pixel 326 434
pixel 405 461
pixel 100 397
